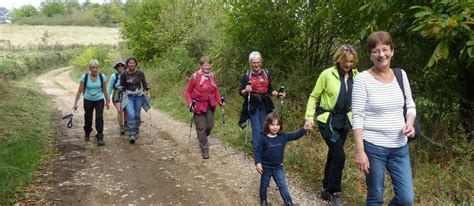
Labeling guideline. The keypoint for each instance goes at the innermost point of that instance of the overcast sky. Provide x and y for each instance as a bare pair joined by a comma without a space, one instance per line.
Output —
9,4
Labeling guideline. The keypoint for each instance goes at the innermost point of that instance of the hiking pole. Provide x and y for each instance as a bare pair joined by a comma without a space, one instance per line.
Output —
222,109
248,120
280,93
193,104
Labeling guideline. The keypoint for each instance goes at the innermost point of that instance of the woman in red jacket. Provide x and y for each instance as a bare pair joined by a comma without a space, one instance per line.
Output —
202,89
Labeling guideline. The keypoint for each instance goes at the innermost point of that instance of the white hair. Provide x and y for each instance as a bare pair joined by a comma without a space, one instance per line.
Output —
255,54
93,63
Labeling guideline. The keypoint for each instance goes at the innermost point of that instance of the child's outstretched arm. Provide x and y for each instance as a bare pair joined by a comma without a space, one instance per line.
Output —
296,135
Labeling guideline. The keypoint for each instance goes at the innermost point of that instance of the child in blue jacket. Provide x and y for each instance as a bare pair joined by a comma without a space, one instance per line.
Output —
269,152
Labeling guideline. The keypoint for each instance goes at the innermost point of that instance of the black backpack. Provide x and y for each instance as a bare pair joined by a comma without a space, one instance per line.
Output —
101,79
117,77
416,124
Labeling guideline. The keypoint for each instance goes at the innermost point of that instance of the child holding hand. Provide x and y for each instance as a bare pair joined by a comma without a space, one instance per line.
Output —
269,152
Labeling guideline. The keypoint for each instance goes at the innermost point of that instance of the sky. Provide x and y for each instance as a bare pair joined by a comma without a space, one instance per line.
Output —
9,4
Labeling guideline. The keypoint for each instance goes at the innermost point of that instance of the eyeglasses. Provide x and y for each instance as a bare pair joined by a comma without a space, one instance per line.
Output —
120,65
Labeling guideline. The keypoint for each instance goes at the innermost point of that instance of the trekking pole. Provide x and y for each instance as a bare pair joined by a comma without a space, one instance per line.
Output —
248,120
222,109
280,93
193,104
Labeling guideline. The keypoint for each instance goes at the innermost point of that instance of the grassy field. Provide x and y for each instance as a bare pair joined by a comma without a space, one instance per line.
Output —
25,36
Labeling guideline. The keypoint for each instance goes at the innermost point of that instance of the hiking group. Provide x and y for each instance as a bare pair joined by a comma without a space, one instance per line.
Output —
376,103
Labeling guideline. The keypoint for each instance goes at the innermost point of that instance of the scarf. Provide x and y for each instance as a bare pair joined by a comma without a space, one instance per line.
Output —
205,76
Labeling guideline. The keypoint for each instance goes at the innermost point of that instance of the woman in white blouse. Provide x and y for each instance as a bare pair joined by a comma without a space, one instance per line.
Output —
379,126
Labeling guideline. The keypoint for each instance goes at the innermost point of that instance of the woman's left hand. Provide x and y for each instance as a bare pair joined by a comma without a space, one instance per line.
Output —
222,104
409,130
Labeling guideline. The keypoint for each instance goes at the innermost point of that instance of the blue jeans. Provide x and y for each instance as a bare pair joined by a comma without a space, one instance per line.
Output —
133,108
258,121
397,162
278,175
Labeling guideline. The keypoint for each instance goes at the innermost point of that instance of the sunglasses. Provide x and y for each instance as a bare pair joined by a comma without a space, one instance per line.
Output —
348,47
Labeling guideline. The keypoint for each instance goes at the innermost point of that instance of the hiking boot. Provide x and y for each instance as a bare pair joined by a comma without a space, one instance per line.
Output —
87,137
205,154
132,139
264,203
325,195
100,139
336,199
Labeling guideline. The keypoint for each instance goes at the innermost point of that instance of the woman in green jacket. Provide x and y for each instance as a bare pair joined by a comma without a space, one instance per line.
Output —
331,99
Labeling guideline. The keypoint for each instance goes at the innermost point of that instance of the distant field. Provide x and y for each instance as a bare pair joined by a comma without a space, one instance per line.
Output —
26,36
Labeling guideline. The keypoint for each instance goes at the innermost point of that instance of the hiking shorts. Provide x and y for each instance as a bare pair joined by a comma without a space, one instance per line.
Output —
116,96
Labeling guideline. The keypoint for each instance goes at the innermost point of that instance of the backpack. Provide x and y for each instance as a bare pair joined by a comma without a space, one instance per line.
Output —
416,124
101,79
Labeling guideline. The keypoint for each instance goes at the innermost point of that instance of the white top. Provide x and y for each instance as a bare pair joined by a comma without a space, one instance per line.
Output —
377,109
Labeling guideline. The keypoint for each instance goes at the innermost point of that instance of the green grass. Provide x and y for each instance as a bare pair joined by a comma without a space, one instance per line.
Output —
25,132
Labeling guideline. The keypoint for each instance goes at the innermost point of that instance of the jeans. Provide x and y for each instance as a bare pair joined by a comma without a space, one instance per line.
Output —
133,108
258,121
397,163
278,174
335,159
89,107
204,124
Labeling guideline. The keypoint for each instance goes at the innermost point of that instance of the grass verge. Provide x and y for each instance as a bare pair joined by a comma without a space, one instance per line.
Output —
24,138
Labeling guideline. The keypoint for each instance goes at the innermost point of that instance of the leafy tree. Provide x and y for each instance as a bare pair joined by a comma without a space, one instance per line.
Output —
24,11
50,9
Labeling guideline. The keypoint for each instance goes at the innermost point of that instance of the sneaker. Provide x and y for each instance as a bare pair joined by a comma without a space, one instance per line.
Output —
325,194
336,199
205,154
87,137
264,203
132,139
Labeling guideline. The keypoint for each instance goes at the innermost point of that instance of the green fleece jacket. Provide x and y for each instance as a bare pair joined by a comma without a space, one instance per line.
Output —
326,91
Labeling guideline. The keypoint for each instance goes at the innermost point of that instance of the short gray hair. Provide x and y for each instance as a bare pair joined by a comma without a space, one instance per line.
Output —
255,54
93,63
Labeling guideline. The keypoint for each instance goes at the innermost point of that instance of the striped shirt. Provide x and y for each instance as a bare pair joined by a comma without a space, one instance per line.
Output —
377,109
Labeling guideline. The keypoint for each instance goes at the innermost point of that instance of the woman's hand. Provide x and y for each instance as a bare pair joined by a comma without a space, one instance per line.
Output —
409,130
308,125
362,162
192,107
222,104
107,103
74,107
259,168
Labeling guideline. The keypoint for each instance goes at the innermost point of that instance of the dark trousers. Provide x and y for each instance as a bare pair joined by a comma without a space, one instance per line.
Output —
336,157
89,107
204,124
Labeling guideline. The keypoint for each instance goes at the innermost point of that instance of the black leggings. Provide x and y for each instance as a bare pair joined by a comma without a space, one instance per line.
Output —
335,159
89,107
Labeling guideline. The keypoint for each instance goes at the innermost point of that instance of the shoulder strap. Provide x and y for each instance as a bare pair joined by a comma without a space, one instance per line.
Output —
117,76
86,77
194,75
399,76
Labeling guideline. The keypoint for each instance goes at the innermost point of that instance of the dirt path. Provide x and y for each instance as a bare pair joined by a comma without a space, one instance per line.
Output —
156,170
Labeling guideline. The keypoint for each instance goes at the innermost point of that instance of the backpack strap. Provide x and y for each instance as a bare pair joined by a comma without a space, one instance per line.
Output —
117,76
86,77
399,76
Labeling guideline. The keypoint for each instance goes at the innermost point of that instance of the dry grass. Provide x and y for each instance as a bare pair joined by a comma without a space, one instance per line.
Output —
26,36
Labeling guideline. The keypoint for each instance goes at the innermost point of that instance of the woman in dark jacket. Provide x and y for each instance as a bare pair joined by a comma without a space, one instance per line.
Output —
256,86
